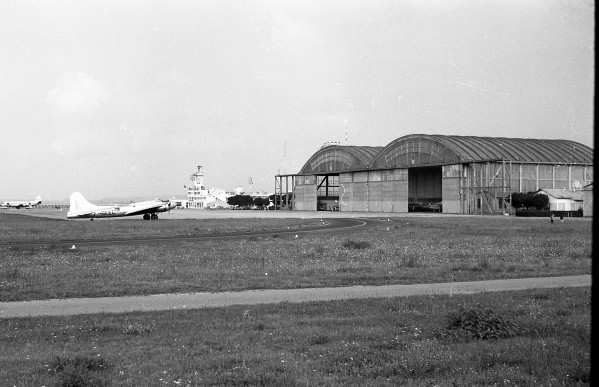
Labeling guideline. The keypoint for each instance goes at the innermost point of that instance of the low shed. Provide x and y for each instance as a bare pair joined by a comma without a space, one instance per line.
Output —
563,199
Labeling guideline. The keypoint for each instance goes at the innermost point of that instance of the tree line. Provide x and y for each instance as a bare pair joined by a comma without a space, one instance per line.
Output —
246,201
530,200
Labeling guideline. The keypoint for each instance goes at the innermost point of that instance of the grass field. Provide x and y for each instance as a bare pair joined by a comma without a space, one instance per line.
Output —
526,338
393,251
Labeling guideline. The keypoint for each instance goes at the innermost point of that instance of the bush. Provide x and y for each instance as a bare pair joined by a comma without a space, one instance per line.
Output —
533,213
480,324
530,199
240,200
356,245
80,370
546,214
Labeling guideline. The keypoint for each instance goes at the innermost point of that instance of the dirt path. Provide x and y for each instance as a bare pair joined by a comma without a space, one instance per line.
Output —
210,300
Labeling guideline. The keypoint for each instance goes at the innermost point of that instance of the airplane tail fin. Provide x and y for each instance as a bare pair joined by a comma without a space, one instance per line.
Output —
79,203
38,199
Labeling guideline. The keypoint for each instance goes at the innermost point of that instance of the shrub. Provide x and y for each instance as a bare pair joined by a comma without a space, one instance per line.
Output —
356,245
547,213
480,324
80,370
410,260
529,199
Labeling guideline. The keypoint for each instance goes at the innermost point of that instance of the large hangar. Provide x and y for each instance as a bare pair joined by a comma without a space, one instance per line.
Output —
452,174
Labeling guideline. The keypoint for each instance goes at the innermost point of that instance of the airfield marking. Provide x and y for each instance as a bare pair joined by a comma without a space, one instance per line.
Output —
76,306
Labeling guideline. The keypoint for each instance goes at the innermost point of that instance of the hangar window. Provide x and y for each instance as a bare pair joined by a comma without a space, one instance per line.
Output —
327,192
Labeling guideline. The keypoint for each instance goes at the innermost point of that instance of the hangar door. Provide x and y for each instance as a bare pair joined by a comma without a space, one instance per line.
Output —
424,189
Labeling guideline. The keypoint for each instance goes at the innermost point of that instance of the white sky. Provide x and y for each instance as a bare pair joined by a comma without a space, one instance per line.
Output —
125,98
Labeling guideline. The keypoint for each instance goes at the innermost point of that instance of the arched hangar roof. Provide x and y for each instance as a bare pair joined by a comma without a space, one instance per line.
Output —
341,158
422,150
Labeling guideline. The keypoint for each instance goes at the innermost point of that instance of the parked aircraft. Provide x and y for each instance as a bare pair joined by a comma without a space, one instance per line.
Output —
23,204
81,208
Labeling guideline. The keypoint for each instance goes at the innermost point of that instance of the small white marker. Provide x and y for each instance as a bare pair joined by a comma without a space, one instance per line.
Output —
73,247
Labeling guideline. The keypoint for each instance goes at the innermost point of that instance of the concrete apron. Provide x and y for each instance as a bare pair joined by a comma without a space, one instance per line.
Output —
76,306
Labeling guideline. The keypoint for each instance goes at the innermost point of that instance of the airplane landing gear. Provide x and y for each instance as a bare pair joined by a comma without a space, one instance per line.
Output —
154,217
146,216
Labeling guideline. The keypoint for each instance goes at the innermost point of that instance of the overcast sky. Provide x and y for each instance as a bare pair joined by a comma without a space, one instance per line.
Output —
126,98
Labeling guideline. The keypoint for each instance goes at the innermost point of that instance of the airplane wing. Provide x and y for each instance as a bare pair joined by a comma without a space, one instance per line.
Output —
144,208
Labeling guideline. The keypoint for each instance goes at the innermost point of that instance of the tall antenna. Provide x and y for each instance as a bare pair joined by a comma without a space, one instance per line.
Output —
285,158
198,177
345,132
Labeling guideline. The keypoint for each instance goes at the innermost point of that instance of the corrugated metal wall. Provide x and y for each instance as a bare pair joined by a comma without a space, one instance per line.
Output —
305,193
450,188
524,177
374,191
487,184
472,188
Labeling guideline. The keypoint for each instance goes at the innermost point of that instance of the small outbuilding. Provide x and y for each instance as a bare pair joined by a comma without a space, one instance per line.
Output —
564,199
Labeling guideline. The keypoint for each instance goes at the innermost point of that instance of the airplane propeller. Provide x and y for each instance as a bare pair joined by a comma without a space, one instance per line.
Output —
169,201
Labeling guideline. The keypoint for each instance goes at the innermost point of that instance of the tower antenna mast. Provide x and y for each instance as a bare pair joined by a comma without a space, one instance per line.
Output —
345,132
285,158
198,177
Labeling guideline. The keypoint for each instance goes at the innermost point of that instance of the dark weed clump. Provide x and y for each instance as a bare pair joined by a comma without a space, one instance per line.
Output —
479,324
80,370
349,244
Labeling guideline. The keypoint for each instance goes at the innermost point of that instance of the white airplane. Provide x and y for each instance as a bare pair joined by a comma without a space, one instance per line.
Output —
24,204
81,208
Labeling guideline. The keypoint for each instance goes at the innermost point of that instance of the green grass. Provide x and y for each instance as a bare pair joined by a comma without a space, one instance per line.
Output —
16,227
524,338
394,251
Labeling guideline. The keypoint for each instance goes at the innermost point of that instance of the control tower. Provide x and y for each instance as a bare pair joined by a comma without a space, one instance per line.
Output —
200,197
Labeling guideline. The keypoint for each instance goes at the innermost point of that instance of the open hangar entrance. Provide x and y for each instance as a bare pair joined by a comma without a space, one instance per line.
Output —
425,189
437,173
327,192
307,192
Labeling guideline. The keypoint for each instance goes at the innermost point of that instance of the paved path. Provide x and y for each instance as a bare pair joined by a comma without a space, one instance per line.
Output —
76,306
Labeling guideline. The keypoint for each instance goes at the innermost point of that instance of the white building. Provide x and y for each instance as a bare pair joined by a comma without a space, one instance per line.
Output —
563,199
200,197
238,190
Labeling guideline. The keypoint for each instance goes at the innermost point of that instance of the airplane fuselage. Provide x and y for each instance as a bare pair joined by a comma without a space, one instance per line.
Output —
148,209
101,213
23,204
